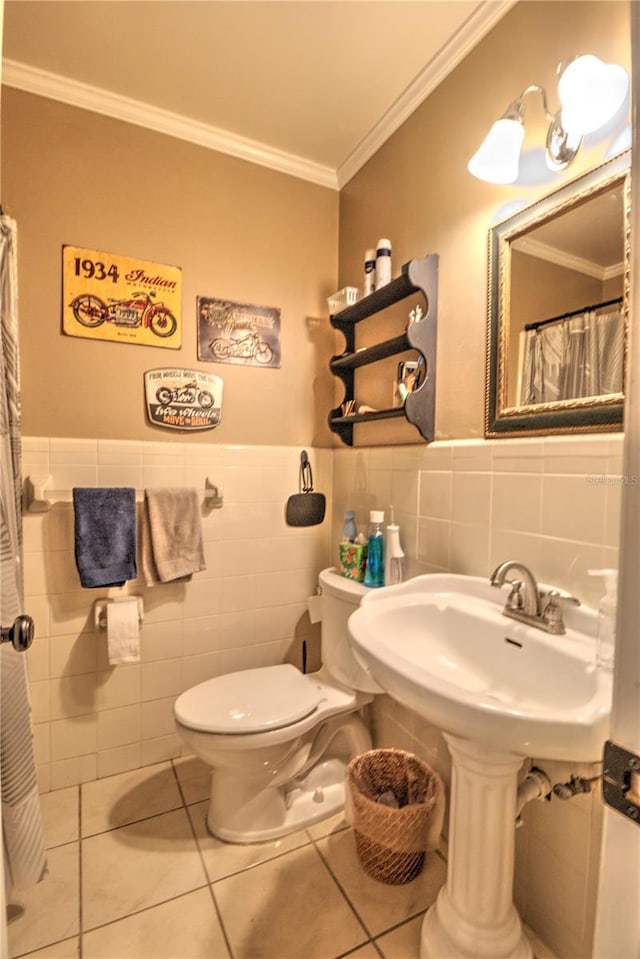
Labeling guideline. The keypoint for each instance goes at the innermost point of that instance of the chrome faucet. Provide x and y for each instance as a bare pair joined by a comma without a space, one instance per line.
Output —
527,603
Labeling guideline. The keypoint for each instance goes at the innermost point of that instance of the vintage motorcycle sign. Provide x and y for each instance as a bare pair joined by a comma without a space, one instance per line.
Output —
112,297
238,333
181,399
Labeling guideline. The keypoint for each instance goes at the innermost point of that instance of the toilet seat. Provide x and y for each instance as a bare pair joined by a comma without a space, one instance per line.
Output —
249,701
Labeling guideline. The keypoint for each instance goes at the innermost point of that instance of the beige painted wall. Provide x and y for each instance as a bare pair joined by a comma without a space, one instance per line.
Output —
252,235
416,189
237,230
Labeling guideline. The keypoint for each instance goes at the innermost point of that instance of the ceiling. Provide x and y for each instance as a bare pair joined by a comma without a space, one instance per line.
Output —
310,87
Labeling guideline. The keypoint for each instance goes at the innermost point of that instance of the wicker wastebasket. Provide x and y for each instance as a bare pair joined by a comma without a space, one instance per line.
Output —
393,797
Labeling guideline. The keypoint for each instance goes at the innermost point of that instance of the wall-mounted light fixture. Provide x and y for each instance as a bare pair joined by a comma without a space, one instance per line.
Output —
590,93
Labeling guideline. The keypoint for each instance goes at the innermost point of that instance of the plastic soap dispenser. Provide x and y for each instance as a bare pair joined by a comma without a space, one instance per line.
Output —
374,573
393,555
606,641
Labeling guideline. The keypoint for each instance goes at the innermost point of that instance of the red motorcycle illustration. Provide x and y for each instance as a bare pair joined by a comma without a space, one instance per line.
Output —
248,348
139,310
186,395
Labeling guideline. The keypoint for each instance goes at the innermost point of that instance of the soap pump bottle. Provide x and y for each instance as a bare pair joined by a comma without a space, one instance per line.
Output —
374,572
606,641
393,555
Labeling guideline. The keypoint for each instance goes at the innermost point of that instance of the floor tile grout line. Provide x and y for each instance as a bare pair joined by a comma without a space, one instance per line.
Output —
342,890
392,928
209,882
261,862
220,920
143,909
80,897
205,884
178,783
403,922
50,945
133,822
352,952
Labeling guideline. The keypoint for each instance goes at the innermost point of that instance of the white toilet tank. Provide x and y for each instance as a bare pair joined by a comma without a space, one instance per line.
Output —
340,598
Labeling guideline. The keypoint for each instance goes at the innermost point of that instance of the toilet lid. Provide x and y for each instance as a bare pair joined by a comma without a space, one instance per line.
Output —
249,701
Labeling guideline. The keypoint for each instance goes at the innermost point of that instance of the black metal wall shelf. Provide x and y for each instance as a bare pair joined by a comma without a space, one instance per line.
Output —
418,276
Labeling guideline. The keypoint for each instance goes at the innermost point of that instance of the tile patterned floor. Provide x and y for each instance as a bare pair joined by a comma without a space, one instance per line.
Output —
134,874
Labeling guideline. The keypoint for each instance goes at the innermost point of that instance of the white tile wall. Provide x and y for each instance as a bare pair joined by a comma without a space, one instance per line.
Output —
553,504
248,608
467,505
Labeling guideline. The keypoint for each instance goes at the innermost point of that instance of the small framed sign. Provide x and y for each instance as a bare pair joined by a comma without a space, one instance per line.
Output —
180,399
106,296
238,333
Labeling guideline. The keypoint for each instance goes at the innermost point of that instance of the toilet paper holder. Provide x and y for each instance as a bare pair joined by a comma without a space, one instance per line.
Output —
100,611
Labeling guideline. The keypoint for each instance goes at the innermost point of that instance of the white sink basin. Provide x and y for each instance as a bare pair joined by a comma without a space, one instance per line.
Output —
440,645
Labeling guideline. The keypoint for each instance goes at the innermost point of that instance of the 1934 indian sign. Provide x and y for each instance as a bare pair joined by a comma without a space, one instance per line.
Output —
119,298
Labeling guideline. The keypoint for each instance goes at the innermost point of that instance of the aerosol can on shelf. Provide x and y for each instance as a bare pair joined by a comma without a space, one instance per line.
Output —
369,284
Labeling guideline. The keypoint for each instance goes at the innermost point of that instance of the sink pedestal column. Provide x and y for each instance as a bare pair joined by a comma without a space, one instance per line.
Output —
474,916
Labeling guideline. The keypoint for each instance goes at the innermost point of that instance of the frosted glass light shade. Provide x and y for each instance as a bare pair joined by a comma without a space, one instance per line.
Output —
590,92
497,159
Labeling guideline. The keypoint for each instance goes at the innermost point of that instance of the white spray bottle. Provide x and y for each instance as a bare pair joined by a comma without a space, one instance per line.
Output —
606,641
393,554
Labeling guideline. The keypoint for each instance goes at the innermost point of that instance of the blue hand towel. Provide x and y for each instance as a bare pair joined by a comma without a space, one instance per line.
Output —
105,535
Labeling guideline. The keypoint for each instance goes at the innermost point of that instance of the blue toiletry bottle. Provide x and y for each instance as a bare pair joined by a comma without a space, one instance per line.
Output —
349,531
374,573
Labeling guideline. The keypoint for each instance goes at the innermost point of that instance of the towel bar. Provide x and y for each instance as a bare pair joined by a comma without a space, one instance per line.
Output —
39,498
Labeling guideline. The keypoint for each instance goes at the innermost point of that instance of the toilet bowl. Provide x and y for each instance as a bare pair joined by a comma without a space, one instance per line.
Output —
277,740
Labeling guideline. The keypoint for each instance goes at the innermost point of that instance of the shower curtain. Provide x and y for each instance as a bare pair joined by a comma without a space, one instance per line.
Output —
576,357
23,841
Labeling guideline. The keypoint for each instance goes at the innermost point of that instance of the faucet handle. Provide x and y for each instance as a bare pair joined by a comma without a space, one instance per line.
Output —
555,594
552,609
515,599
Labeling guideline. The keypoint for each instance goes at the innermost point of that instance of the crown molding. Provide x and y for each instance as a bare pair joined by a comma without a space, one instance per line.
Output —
543,251
54,86
30,79
481,21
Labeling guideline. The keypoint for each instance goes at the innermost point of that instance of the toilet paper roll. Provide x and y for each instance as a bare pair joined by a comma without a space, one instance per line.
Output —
314,605
123,631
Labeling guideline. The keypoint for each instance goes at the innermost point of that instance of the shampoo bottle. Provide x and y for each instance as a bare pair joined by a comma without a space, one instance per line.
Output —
606,640
393,555
374,572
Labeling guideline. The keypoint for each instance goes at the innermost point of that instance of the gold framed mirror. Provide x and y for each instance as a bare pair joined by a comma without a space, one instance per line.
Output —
557,309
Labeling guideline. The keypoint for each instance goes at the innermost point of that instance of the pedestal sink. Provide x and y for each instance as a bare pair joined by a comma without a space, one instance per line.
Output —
500,691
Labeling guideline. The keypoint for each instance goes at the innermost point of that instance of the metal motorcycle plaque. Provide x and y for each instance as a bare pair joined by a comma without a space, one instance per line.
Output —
238,333
180,399
119,298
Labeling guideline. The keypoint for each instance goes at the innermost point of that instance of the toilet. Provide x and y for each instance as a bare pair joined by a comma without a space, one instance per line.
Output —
278,740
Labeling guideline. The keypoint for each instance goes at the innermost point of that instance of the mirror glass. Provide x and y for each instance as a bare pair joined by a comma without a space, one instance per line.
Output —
558,285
